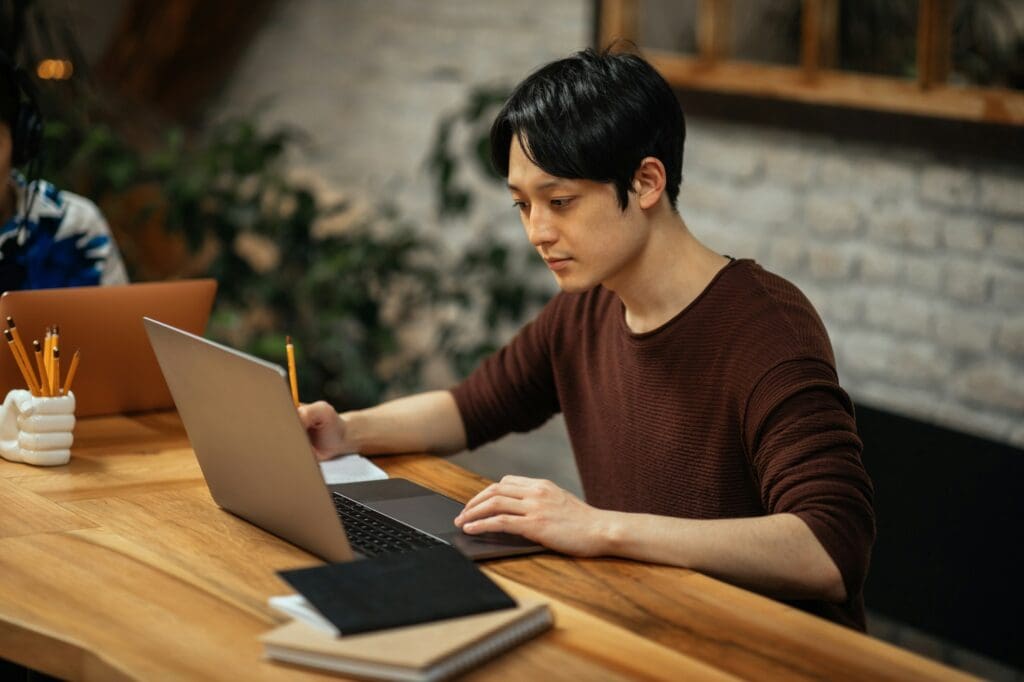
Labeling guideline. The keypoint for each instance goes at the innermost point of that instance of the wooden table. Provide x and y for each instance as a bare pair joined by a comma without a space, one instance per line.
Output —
119,565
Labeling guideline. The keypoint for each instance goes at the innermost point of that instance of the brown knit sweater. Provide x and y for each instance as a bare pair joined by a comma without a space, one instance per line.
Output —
730,409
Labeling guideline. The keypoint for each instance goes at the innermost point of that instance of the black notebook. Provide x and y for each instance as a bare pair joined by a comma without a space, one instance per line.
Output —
392,590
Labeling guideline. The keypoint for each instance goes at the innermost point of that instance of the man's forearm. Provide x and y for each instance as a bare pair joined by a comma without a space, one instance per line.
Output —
776,555
426,422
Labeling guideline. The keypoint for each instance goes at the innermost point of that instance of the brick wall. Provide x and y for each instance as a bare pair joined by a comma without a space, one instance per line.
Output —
916,264
368,79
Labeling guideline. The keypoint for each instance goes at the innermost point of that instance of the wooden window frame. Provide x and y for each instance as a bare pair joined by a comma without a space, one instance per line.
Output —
815,80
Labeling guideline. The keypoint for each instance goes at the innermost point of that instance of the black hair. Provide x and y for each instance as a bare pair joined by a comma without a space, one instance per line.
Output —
594,116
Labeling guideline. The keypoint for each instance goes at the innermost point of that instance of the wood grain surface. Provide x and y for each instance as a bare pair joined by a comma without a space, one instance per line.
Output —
119,565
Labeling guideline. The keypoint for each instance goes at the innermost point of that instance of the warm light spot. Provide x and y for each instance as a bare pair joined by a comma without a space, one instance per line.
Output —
55,69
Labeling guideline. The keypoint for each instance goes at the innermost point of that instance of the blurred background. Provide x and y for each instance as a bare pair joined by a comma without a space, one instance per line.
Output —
326,162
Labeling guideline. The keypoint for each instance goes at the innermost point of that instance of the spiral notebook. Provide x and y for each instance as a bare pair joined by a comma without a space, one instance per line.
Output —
430,651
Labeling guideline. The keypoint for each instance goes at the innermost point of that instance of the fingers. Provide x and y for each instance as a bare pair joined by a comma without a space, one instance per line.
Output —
46,423
502,523
507,506
60,440
493,506
502,488
315,414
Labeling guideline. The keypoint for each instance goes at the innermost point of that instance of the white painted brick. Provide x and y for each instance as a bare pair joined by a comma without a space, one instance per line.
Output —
786,255
880,265
908,363
791,166
966,330
764,204
816,294
979,421
918,362
830,262
832,216
1010,336
1008,241
728,238
965,234
924,273
967,281
1003,193
864,353
836,170
1008,288
901,313
843,305
949,186
884,177
992,383
706,196
1017,436
904,227
912,402
723,157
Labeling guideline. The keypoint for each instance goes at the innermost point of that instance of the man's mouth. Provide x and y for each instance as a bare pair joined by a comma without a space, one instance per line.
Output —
557,264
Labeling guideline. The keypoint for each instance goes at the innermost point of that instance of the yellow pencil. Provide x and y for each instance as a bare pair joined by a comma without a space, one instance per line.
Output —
71,373
290,349
26,373
18,346
44,376
55,374
47,346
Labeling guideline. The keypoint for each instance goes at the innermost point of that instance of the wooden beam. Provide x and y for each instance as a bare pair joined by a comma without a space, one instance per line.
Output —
819,45
934,42
714,30
837,88
619,21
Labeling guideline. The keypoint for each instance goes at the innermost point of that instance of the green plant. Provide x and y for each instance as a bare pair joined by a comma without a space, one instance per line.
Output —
508,273
349,284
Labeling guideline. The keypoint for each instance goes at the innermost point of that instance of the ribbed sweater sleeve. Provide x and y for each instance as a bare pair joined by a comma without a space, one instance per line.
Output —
513,389
801,439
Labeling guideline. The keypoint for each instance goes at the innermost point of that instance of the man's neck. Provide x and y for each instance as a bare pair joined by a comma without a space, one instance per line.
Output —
672,271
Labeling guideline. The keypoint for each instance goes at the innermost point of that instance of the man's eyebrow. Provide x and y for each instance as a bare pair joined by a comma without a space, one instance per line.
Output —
542,186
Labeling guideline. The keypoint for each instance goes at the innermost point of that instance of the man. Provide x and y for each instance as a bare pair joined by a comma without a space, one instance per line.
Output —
48,238
699,391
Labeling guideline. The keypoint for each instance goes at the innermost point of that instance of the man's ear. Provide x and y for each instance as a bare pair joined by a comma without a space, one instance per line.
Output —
649,181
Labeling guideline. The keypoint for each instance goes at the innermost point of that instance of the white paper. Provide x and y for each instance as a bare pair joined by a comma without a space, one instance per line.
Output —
296,606
350,469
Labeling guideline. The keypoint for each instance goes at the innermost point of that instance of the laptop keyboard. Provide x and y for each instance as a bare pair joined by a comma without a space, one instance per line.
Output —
371,533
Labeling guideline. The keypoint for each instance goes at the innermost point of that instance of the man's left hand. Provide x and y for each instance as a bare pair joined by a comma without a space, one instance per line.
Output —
540,511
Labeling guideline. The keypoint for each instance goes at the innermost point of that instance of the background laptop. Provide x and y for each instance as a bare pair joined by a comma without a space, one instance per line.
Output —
258,463
118,372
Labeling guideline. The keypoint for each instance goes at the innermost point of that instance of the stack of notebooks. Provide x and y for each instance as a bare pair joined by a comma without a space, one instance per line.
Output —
426,615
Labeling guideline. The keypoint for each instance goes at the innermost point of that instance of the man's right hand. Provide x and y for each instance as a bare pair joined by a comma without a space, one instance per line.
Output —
326,430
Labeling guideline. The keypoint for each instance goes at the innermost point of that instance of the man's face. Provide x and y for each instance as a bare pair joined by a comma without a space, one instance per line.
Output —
577,226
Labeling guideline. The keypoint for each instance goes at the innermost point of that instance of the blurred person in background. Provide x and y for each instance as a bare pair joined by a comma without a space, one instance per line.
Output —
49,237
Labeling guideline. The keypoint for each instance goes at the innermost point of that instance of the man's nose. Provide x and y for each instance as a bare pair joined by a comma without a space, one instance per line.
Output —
539,229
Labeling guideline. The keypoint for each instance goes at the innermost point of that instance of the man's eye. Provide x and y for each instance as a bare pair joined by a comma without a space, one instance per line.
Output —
561,203
521,205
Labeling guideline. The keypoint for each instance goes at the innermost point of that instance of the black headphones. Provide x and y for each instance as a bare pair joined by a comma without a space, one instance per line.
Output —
27,123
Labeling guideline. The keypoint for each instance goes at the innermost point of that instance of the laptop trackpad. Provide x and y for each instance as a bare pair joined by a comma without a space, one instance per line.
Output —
432,514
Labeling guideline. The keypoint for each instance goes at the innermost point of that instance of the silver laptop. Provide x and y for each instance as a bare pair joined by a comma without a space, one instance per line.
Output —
258,463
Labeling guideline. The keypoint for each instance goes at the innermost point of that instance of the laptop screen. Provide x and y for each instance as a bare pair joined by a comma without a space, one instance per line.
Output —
118,372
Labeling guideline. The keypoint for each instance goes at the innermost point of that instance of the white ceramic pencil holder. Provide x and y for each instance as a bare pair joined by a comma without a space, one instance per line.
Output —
37,430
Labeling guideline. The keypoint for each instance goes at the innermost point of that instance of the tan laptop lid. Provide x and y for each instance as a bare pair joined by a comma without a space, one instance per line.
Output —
118,372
